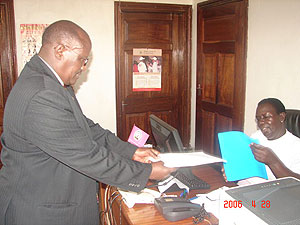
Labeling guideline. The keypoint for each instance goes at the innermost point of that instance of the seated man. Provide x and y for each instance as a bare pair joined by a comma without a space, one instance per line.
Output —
278,149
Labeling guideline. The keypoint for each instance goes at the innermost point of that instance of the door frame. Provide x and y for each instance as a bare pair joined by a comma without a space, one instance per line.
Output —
11,47
8,72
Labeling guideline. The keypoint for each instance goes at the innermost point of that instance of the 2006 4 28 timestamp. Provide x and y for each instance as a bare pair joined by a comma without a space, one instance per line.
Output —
239,204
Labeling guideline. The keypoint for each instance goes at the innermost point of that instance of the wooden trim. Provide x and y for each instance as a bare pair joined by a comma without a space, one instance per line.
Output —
186,114
216,2
117,62
8,51
148,7
242,66
11,23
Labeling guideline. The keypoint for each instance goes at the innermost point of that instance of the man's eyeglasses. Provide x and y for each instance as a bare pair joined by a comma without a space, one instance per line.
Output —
85,60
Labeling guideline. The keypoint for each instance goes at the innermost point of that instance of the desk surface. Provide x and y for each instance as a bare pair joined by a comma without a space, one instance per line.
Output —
147,214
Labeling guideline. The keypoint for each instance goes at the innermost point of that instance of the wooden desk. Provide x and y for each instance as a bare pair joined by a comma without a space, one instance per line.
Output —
147,214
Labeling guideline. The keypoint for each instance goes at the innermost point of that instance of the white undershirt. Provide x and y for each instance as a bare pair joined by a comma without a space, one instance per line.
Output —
287,148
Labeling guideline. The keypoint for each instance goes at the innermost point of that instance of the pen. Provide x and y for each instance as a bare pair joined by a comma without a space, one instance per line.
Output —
183,194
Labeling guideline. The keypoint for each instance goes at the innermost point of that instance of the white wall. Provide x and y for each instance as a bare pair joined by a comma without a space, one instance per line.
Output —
272,63
96,93
273,68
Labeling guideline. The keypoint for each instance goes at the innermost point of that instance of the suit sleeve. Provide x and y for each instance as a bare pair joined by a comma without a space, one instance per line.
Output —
55,126
110,140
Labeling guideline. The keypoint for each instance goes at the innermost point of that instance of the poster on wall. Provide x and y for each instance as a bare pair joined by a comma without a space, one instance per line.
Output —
147,65
31,40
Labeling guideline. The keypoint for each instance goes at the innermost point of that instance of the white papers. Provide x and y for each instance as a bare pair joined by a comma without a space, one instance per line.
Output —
211,200
146,196
167,183
185,159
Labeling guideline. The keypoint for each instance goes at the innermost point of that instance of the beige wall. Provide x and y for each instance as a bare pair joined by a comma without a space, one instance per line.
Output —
273,52
273,68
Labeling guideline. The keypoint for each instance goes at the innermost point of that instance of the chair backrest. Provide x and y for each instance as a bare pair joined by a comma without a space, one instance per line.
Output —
292,121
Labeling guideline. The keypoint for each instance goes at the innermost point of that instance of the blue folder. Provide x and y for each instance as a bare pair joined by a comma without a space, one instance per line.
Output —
240,162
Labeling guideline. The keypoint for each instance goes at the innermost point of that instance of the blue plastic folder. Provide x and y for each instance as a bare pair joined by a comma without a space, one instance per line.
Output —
241,164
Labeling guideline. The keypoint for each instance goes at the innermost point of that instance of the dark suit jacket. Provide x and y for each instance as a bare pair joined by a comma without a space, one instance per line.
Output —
53,155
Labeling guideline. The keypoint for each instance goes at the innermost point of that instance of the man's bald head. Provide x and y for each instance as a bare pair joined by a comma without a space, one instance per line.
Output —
66,48
65,32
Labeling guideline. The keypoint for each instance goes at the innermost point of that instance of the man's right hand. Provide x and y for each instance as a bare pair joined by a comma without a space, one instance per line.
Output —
223,173
159,171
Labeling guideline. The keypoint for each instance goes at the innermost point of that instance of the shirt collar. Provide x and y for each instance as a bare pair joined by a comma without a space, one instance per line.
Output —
57,76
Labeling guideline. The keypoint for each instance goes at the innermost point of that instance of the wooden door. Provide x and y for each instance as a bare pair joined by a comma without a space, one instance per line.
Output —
8,62
153,26
221,64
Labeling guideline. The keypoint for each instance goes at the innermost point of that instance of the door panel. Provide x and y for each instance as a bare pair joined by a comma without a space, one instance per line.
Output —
209,81
153,26
221,57
225,85
219,28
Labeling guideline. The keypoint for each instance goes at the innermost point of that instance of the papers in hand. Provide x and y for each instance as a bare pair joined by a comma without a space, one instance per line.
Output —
185,159
241,164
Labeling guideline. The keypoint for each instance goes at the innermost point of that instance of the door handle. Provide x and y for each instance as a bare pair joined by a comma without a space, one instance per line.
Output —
199,89
123,105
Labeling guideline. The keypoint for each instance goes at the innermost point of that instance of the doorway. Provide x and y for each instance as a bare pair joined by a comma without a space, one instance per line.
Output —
165,27
221,70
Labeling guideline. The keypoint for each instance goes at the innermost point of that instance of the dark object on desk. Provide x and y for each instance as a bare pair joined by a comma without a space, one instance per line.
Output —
175,208
202,215
292,121
166,137
168,140
186,176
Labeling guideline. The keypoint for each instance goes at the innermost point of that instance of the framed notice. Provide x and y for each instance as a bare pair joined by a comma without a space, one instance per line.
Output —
147,65
31,38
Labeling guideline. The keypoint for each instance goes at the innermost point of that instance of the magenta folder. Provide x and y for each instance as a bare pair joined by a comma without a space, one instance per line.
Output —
138,137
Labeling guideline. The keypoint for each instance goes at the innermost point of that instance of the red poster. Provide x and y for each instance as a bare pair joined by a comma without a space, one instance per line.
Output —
147,66
31,37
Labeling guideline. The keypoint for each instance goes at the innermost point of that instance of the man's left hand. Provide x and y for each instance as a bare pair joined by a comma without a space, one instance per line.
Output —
264,154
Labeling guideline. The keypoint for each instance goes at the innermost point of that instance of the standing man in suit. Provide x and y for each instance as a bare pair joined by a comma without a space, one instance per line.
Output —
52,154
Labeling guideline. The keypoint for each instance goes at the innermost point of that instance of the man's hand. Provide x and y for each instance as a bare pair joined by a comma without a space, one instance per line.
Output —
264,154
267,156
159,171
145,154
